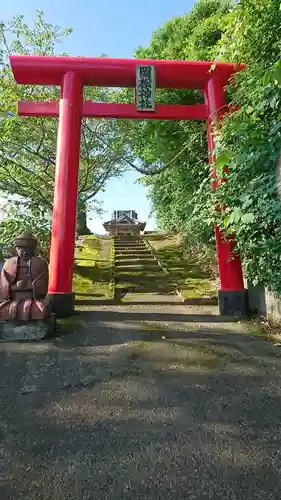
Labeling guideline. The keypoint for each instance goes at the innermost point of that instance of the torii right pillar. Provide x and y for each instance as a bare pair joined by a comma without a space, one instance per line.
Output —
233,297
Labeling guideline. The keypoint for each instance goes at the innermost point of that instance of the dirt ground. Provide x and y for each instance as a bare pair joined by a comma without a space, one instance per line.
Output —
142,402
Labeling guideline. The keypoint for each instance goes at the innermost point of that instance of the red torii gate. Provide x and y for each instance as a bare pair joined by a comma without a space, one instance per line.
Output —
72,74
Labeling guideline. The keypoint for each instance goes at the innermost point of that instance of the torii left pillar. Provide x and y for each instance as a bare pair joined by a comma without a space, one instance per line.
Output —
65,196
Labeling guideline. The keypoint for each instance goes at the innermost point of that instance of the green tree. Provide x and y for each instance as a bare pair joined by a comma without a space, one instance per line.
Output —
250,141
28,146
249,144
180,194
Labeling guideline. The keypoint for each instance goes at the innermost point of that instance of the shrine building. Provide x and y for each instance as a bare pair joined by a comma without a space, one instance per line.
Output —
124,222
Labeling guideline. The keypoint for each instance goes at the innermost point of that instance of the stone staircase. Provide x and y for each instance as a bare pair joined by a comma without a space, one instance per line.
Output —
138,276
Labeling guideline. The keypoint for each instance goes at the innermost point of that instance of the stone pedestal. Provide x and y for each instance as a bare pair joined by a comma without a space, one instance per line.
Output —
234,304
13,331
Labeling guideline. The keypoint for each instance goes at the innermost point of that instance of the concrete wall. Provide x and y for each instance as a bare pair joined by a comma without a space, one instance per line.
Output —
265,303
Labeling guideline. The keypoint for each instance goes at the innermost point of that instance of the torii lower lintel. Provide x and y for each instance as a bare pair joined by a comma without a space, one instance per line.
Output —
123,111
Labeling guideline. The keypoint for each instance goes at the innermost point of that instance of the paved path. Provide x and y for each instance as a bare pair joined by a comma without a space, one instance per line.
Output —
166,402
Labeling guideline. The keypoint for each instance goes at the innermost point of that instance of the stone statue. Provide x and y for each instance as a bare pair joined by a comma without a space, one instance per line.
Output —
24,283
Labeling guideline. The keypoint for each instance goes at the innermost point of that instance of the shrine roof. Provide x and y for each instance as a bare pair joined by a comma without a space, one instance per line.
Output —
124,219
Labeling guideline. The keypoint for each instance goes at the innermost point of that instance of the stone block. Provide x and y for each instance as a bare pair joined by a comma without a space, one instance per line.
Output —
12,331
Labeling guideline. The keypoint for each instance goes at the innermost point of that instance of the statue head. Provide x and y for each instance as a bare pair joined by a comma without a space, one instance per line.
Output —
25,245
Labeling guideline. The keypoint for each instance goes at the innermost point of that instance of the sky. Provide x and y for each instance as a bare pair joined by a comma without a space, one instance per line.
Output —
114,28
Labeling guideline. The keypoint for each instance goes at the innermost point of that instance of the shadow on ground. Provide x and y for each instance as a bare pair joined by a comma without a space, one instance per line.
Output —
141,405
156,315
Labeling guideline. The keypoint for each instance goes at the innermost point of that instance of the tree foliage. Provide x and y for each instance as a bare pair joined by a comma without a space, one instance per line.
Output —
249,143
28,146
179,194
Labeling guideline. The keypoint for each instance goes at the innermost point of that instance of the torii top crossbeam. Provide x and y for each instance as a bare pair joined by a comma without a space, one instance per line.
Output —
107,72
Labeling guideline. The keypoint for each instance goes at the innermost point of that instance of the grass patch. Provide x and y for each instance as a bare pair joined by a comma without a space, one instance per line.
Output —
89,253
92,279
69,325
191,279
263,330
147,326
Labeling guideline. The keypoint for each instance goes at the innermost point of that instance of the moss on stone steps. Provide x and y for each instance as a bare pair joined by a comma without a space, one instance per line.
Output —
92,279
